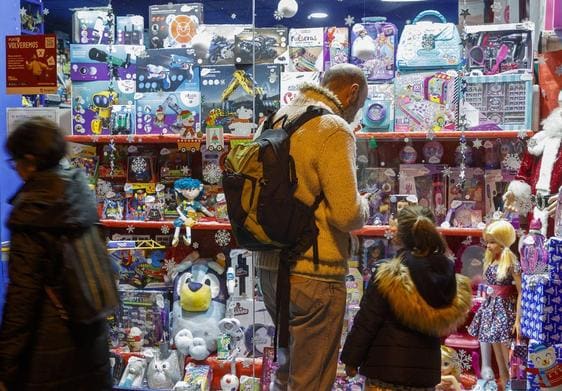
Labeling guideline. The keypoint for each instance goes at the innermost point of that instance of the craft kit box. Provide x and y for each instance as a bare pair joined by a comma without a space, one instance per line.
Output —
168,113
227,94
541,309
426,101
94,105
378,110
306,50
130,30
265,45
498,102
93,25
291,81
336,46
173,25
103,62
167,70
373,49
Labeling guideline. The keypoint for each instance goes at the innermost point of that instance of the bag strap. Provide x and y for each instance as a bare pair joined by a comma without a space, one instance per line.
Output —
426,13
310,113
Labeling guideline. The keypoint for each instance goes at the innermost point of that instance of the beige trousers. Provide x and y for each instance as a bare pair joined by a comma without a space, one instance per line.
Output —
316,319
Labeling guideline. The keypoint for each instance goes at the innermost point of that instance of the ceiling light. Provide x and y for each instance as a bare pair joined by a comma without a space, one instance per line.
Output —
318,15
401,1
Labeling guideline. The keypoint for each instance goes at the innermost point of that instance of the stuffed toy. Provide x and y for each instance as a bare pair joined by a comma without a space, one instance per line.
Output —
199,305
540,176
163,372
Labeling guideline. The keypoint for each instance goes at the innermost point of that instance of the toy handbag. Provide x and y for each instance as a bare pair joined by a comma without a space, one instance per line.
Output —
428,45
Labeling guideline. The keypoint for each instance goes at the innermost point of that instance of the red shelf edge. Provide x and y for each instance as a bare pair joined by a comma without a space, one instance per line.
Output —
441,135
368,230
148,139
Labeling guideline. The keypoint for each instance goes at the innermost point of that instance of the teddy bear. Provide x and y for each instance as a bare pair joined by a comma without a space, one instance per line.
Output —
243,125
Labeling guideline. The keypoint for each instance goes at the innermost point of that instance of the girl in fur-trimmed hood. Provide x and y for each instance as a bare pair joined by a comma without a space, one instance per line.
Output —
413,300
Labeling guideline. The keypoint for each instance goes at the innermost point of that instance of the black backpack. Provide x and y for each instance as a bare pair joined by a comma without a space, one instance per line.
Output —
259,184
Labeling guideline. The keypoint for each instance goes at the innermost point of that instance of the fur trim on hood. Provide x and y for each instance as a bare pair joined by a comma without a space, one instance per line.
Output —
323,95
550,134
396,285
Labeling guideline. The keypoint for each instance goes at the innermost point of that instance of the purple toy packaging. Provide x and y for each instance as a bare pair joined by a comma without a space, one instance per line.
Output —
336,46
93,25
373,49
130,30
102,62
167,70
169,113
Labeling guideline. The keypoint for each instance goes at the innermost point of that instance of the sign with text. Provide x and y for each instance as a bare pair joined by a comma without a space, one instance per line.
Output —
31,64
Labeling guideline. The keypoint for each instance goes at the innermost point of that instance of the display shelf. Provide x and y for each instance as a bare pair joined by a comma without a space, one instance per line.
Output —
141,139
201,225
452,135
380,230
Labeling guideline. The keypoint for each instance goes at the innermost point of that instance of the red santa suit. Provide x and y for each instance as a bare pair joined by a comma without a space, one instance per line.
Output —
540,174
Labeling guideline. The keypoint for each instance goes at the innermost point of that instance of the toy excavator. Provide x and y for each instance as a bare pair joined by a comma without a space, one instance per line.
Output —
241,79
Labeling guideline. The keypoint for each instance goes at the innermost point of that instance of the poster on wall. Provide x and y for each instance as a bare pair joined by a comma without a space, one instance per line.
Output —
31,64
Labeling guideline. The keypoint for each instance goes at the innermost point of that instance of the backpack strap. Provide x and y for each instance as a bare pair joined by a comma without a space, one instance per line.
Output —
310,113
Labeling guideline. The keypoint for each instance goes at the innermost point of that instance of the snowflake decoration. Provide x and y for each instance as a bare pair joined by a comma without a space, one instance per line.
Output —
483,242
277,15
247,363
130,229
222,238
447,172
185,170
169,264
512,161
23,11
452,257
522,134
462,174
212,173
233,16
195,245
477,143
165,229
46,11
464,360
103,187
139,165
349,20
388,234
467,241
558,70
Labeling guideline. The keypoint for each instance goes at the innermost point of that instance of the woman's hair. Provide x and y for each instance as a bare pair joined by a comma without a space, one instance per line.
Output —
417,231
502,233
451,355
38,137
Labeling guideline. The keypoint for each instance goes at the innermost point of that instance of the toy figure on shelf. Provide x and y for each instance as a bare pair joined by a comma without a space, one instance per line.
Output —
188,193
498,319
540,175
450,371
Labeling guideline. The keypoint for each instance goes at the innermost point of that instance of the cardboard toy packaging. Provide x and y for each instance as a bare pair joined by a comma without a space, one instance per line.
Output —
496,182
306,50
373,49
291,81
554,247
102,62
265,45
169,113
378,110
93,25
544,366
541,307
336,46
173,25
228,100
215,44
167,70
130,30
243,265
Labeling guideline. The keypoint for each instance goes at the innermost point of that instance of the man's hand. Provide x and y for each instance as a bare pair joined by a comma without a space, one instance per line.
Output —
552,205
349,371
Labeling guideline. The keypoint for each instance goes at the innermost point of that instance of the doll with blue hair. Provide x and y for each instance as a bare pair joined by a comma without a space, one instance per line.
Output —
188,195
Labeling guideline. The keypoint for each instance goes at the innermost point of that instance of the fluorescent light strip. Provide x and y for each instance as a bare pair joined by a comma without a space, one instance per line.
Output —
318,15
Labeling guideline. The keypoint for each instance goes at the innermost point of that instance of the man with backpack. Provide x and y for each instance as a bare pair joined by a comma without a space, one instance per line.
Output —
323,150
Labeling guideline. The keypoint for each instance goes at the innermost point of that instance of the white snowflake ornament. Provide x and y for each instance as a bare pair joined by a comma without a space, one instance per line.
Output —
522,134
195,245
46,11
512,161
212,173
467,241
222,238
169,264
388,234
447,172
349,20
130,229
185,170
139,165
165,229
477,143
23,11
464,360
277,15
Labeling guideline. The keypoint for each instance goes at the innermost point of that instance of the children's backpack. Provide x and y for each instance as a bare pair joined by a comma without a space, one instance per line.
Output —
259,184
428,45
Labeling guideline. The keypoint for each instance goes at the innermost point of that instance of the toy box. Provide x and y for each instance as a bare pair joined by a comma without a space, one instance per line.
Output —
173,25
93,26
243,265
169,113
471,190
498,102
214,44
167,70
336,46
172,165
145,309
463,214
426,101
544,366
373,249
497,48
378,110
269,44
427,183
496,182
85,157
541,309
130,30
93,105
373,48
102,62
291,81
306,50
227,96
258,335
380,182
113,162
555,258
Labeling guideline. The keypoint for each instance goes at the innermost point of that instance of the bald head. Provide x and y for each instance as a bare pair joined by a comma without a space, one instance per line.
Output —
348,83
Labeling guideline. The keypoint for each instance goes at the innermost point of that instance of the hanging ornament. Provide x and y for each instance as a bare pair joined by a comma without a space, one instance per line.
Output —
349,20
288,8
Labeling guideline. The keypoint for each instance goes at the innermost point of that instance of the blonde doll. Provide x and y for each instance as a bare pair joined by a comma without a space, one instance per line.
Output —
497,320
450,371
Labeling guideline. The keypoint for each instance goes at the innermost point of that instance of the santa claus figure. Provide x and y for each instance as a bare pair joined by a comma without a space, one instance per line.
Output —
539,179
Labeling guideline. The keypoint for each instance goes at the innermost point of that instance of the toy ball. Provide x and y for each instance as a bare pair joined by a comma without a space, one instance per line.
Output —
288,8
229,382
